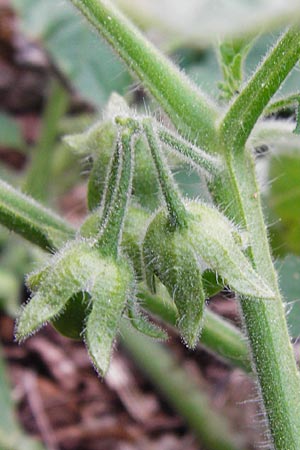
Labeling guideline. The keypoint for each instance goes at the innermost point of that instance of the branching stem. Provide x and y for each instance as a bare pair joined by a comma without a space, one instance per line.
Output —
188,109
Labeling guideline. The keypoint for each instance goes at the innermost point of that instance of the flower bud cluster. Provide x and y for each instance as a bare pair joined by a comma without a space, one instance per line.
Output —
89,285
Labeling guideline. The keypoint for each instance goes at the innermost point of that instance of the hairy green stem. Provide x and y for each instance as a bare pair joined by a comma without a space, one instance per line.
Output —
111,183
111,233
177,211
282,104
190,153
249,105
217,334
272,352
188,109
160,366
23,215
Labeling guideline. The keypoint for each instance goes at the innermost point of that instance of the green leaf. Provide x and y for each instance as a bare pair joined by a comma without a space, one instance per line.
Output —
73,47
289,277
232,54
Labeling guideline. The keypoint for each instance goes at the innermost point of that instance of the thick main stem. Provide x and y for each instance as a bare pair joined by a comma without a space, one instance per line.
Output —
265,322
272,353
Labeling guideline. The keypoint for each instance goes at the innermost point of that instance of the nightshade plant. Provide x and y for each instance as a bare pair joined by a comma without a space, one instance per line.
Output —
97,275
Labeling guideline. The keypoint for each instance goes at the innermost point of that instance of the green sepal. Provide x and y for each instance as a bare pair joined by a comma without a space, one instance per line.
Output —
145,183
67,273
134,227
99,136
90,226
179,258
142,324
117,195
36,278
83,294
110,294
168,255
99,142
214,239
170,192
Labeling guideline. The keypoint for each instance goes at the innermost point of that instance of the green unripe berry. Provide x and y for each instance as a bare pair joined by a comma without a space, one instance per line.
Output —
72,321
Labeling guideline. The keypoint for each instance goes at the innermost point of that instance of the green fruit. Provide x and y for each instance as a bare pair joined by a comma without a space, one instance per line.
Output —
72,321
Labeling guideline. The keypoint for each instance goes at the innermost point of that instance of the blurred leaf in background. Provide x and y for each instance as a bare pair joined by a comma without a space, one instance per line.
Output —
198,22
10,132
284,201
289,273
191,30
72,45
